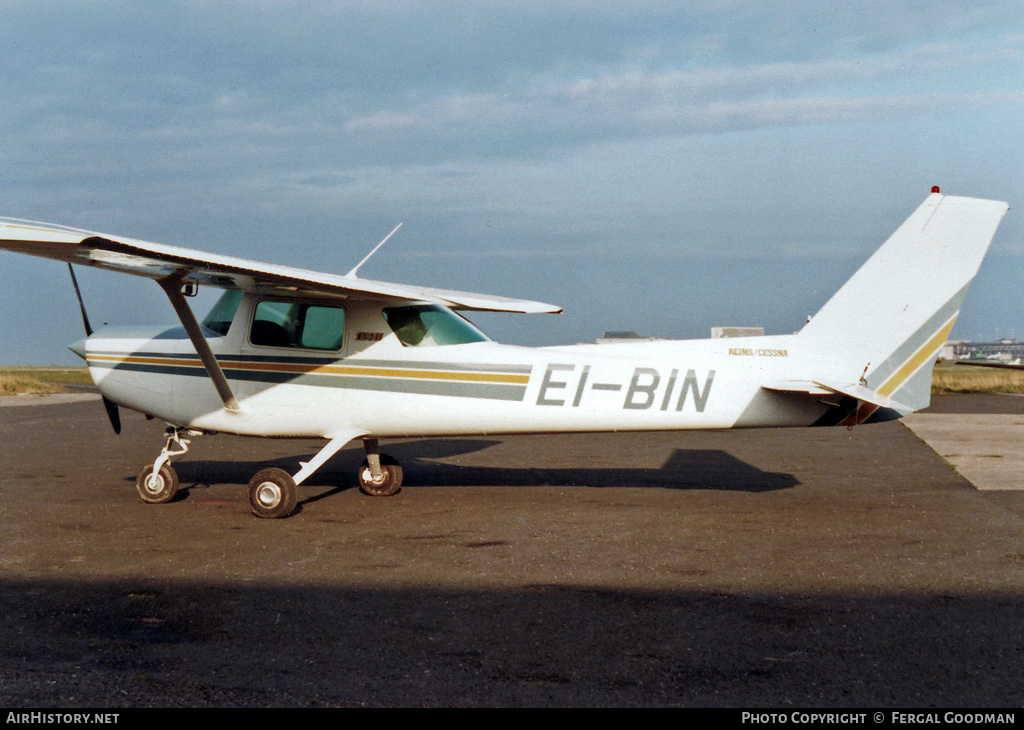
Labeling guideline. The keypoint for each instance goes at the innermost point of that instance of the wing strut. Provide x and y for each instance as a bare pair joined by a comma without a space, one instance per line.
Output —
172,286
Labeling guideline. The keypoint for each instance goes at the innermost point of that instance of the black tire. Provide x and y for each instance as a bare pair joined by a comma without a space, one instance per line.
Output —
164,487
391,472
272,493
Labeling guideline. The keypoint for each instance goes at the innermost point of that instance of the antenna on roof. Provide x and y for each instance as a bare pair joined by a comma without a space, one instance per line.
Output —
366,258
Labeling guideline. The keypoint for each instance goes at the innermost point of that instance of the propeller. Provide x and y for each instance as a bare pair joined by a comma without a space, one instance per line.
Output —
112,412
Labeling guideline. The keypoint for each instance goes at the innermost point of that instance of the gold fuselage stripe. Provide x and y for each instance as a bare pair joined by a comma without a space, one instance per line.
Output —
301,368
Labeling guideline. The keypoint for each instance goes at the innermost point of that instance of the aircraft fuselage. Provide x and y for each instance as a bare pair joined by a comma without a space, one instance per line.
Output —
375,383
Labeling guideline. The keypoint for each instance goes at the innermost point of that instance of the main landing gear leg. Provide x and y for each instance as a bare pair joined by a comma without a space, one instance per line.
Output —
380,475
158,482
273,493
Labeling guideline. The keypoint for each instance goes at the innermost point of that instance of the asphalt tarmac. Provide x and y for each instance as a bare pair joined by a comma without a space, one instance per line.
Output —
764,568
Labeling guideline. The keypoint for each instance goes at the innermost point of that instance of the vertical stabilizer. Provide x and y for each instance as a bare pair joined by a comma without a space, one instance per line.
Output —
884,327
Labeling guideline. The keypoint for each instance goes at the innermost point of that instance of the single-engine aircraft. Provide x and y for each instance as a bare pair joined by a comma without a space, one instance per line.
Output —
1010,365
292,353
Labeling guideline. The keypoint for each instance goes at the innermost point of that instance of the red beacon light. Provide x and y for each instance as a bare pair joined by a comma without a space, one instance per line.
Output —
935,188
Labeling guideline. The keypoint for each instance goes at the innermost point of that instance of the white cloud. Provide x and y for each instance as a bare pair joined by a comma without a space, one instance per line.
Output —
701,100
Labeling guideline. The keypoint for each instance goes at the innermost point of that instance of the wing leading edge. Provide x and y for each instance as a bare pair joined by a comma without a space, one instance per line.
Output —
161,262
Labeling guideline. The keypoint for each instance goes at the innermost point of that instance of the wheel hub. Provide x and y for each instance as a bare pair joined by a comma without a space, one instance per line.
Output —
268,494
154,484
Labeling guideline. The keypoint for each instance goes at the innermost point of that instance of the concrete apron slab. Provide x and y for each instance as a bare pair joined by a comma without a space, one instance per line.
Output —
986,449
46,399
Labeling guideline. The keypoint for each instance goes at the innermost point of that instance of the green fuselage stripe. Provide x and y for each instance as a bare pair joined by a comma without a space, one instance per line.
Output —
469,381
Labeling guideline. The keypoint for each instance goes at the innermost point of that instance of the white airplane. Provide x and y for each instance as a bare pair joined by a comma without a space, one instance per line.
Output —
1014,364
293,353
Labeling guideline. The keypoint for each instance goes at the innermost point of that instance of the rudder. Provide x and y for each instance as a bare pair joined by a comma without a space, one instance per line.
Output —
884,327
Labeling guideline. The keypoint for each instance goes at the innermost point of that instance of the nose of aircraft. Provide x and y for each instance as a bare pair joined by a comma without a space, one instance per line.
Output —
79,347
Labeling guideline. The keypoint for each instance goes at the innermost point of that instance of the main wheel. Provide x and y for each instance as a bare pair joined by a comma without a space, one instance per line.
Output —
157,488
390,481
272,493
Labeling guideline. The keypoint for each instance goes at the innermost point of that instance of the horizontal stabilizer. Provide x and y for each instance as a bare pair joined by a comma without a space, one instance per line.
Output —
852,390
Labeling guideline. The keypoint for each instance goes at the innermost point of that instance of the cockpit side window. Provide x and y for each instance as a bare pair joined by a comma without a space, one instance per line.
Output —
298,325
428,325
223,312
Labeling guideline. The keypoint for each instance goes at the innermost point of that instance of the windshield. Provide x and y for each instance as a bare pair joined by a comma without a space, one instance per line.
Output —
428,325
223,313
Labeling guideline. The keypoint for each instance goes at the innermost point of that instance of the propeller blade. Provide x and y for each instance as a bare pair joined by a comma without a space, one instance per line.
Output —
113,414
112,411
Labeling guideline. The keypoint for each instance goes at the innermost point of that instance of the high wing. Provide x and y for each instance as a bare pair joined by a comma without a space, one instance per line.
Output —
161,262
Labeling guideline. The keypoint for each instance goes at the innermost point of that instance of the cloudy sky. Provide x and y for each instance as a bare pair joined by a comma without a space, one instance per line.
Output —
663,167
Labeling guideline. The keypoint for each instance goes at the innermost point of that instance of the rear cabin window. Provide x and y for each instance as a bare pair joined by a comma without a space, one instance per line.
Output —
298,325
429,325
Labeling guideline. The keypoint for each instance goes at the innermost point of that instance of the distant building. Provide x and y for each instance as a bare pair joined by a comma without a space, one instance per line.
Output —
719,332
948,350
996,350
620,337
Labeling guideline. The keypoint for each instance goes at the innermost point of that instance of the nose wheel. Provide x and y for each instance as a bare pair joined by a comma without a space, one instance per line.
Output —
158,482
159,486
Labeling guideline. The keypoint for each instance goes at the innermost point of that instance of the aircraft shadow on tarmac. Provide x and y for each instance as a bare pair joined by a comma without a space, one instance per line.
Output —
708,469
